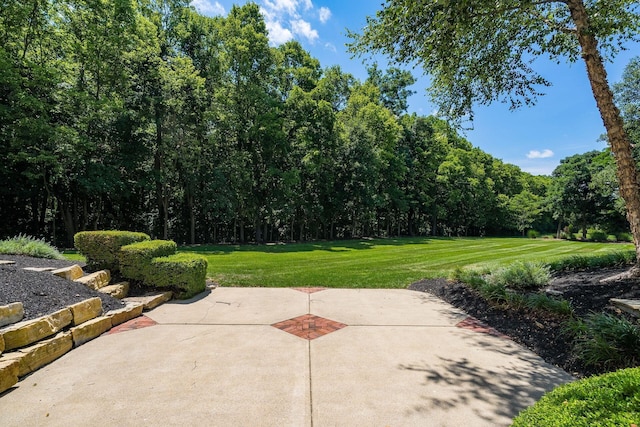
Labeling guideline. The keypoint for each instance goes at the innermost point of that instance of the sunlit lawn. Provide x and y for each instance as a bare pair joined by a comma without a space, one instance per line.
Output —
380,263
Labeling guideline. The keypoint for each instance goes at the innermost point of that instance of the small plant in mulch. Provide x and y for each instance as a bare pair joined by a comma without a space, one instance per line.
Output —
25,245
605,341
508,286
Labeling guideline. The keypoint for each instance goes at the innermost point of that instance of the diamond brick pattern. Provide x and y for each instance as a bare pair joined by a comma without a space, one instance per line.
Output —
309,290
473,324
137,323
309,326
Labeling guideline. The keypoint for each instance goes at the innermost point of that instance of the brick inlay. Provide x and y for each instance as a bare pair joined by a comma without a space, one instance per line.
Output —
309,326
137,323
473,324
309,290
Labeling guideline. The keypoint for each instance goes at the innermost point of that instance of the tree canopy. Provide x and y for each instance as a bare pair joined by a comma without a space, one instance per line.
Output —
151,117
482,51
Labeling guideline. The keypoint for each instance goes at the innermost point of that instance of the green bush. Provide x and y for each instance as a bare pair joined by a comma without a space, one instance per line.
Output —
598,236
184,273
135,259
473,278
533,234
606,341
29,246
624,237
101,248
522,275
607,400
594,261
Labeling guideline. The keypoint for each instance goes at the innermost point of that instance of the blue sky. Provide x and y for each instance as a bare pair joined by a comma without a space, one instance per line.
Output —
564,122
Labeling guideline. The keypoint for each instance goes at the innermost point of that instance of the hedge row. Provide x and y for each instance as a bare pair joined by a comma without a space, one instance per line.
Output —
101,248
154,263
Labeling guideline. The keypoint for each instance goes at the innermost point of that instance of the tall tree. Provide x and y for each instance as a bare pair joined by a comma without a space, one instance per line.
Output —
481,51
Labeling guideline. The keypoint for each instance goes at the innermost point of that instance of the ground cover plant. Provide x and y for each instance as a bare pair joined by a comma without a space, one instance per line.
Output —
29,246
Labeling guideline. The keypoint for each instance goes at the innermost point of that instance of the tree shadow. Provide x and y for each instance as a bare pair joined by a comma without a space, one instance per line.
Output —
326,246
494,392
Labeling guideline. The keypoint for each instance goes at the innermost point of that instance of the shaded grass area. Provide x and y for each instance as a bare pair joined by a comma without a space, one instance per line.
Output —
377,263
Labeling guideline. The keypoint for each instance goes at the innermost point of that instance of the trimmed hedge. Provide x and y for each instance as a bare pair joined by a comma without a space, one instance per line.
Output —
135,259
606,400
101,248
185,273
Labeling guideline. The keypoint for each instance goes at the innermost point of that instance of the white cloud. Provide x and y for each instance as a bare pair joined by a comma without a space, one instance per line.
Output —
278,34
288,6
208,7
324,14
284,19
303,28
331,47
535,154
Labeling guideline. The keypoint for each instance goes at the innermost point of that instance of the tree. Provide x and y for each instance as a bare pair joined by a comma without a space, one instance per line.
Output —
525,208
582,190
481,51
627,94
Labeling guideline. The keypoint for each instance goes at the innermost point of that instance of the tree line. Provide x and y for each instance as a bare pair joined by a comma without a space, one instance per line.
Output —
146,115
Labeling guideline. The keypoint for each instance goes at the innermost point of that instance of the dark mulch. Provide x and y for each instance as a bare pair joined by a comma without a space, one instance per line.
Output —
540,332
41,292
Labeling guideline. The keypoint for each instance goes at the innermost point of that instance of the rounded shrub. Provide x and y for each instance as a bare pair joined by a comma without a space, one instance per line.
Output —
607,400
101,248
533,234
135,259
184,273
624,237
598,236
522,275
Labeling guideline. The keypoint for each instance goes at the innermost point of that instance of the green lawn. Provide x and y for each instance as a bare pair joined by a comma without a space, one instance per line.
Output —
379,263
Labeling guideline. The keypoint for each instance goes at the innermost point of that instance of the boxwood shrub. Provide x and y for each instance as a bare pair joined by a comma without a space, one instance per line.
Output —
136,258
183,273
606,400
101,248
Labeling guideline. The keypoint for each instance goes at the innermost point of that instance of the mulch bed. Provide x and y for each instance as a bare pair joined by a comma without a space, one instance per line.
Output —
43,293
541,332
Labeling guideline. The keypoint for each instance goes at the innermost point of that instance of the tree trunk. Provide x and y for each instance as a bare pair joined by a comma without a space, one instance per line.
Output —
192,220
620,144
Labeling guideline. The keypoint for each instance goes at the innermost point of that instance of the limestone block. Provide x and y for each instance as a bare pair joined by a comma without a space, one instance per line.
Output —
151,301
39,269
1,344
630,306
11,313
90,330
70,273
86,310
119,290
27,332
36,356
9,369
130,311
96,280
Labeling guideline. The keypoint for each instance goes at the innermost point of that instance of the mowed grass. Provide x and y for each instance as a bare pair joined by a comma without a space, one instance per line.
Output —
377,263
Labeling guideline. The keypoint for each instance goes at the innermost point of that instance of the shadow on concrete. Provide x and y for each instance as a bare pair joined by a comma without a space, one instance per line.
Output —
508,388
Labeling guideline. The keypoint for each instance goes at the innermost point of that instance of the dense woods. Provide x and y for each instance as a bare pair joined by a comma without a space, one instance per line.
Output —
145,115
